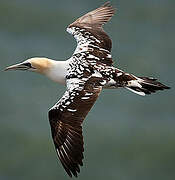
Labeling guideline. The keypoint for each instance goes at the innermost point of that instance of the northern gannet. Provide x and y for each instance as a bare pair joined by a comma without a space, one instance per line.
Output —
85,74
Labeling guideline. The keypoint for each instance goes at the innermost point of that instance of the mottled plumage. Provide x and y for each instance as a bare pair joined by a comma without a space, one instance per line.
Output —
85,74
90,68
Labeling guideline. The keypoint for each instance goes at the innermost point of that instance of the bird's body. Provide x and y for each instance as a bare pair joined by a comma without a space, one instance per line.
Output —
85,74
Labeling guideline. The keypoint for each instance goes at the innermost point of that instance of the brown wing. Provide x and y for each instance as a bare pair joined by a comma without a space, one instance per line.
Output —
96,18
90,36
66,118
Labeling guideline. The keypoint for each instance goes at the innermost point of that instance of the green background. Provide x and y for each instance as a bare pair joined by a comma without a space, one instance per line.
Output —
127,137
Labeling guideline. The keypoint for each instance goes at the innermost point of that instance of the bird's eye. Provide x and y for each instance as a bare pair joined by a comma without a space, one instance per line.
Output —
27,64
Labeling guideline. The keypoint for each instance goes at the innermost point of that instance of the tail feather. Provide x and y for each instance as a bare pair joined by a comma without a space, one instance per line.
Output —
145,85
138,85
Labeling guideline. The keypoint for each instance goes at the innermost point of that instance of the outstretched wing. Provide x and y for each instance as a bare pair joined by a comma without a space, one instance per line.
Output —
90,35
66,118
95,18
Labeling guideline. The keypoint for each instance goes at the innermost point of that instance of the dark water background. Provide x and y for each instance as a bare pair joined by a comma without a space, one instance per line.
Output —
127,137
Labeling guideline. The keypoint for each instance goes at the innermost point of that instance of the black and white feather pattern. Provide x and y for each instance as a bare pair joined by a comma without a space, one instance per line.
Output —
89,70
66,119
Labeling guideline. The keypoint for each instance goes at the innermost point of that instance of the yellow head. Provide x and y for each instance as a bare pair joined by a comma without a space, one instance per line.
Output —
37,64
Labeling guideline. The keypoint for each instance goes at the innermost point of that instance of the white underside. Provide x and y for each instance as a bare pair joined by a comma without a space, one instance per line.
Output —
58,72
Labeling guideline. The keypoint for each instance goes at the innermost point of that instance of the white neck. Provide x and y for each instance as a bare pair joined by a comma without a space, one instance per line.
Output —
57,71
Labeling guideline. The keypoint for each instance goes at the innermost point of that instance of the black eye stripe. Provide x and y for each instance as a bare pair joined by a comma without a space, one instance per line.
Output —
27,64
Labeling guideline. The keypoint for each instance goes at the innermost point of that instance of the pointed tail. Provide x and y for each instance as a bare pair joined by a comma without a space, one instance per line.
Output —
144,85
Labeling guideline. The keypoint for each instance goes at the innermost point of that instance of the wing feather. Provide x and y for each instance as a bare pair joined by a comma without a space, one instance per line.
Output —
96,18
90,36
66,125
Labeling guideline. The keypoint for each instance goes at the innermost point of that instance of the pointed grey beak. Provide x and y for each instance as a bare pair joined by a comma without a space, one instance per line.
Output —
21,66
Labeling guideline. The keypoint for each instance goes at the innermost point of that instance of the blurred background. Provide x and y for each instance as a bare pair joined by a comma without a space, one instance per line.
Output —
126,136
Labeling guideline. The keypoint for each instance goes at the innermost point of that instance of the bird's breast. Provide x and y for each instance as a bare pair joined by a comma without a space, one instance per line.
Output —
58,72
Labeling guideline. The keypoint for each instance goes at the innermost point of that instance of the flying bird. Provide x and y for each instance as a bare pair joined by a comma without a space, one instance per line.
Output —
85,74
